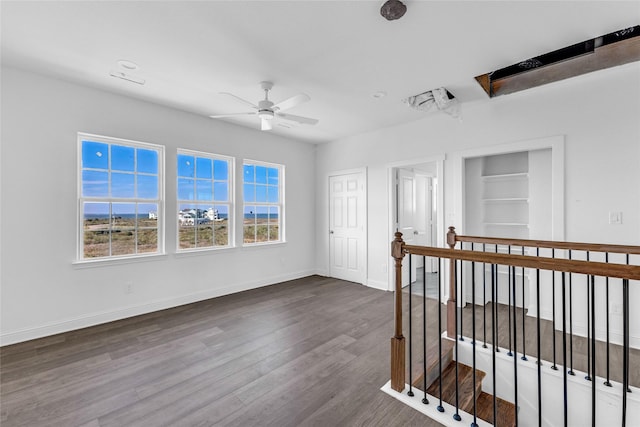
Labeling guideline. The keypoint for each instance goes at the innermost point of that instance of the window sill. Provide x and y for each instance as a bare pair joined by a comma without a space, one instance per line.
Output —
252,246
203,251
105,262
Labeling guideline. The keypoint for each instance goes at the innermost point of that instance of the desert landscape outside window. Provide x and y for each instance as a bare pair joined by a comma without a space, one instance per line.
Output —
120,197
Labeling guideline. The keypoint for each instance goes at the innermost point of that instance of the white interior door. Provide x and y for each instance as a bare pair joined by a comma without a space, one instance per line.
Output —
347,216
406,211
424,217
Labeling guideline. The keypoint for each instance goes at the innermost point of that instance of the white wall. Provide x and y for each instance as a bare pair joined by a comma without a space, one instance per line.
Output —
598,115
42,291
608,399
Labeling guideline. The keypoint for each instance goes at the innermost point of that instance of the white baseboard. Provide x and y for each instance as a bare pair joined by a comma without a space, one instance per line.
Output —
321,272
377,284
92,319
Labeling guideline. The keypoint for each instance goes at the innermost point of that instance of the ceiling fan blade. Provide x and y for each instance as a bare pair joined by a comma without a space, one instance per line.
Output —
220,116
244,101
266,124
291,102
298,119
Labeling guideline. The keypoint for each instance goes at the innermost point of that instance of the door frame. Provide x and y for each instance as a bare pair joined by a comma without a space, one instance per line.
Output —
440,226
365,244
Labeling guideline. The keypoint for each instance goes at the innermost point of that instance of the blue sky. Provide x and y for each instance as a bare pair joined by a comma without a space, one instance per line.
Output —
199,179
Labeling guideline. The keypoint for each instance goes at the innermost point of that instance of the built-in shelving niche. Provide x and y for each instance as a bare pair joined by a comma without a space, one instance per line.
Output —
505,196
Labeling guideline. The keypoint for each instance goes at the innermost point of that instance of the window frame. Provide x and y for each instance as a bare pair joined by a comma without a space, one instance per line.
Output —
81,199
280,203
230,201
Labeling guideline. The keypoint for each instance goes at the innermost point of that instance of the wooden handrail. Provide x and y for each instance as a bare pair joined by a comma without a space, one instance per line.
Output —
399,249
621,271
551,244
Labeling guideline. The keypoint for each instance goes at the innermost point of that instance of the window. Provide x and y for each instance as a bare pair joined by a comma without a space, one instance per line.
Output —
263,202
204,200
120,197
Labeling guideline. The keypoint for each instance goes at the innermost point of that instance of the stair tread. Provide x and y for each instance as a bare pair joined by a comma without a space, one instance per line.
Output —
465,386
432,362
505,410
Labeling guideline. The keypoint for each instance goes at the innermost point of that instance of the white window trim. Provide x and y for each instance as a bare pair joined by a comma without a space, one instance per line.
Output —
231,161
281,204
80,199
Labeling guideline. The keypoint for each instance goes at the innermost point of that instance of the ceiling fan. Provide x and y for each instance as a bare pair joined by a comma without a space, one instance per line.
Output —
267,111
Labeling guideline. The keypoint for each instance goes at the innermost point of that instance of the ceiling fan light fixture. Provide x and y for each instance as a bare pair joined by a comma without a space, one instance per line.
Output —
393,9
265,114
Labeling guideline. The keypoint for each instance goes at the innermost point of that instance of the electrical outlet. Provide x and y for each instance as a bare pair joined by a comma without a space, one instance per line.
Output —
615,217
616,308
128,287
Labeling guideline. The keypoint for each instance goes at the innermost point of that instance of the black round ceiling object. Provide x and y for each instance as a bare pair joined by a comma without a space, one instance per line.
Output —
393,9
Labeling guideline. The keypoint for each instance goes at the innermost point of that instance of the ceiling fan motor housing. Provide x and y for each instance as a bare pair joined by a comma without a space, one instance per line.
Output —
264,109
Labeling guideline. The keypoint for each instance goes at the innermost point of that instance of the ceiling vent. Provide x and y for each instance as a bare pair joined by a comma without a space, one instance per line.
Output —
610,50
439,99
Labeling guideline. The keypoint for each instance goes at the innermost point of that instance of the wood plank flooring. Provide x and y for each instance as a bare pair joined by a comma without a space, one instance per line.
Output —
309,352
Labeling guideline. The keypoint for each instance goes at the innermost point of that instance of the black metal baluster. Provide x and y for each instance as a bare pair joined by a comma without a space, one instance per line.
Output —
538,338
588,376
570,324
456,416
462,304
524,333
494,336
553,309
593,352
424,330
606,259
515,348
509,306
410,392
625,348
564,346
473,338
626,319
440,407
495,302
484,300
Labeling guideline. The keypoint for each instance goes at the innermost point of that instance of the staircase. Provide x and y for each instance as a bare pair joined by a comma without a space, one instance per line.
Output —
484,401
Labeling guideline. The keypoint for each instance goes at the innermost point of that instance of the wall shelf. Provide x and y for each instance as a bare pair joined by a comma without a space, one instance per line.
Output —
505,176
506,199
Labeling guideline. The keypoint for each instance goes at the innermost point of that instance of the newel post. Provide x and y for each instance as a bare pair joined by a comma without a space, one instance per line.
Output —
397,341
452,309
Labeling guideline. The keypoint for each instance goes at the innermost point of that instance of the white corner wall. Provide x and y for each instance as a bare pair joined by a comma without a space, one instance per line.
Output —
42,292
597,114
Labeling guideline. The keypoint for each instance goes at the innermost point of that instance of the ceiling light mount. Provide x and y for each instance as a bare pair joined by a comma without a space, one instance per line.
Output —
128,65
393,9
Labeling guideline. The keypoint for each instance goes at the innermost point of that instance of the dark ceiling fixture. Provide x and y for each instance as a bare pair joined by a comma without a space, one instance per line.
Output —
393,9
610,50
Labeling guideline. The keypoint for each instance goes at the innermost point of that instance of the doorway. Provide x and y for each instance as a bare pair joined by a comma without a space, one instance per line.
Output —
347,226
417,213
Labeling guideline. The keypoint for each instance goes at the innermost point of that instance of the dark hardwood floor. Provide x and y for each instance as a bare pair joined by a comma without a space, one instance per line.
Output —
526,339
309,352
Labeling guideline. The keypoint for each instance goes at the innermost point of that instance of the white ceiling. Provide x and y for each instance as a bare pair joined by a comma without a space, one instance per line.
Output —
338,52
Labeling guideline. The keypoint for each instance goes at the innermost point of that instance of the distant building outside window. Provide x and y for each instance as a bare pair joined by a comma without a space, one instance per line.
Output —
120,198
263,196
205,200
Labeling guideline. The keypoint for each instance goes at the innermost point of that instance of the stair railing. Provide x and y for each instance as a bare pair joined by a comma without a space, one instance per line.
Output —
504,254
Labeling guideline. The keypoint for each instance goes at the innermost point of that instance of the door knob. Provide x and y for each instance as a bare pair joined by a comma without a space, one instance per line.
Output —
330,231
415,232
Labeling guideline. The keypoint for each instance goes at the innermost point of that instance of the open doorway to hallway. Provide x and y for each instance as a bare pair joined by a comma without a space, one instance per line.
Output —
417,212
